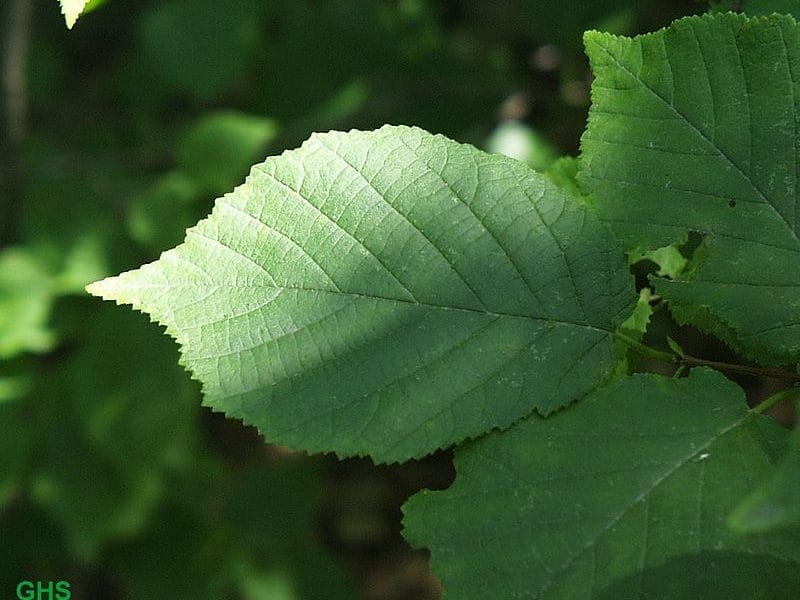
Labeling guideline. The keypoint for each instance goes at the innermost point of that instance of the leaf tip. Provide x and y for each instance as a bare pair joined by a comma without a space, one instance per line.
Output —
102,288
72,9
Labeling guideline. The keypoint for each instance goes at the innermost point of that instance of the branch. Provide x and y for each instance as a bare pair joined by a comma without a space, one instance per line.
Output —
793,393
693,361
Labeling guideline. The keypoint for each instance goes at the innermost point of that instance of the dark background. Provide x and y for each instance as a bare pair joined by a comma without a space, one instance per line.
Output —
118,135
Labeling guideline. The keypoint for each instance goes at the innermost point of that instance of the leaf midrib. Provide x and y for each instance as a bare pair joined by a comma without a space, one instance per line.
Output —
360,296
641,497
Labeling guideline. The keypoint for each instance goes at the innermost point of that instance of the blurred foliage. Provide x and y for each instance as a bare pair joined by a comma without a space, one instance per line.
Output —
111,474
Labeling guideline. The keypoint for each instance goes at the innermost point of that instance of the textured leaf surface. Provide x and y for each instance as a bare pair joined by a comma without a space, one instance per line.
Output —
694,128
637,477
389,293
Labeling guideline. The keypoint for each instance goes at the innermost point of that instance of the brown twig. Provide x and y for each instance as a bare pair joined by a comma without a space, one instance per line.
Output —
693,361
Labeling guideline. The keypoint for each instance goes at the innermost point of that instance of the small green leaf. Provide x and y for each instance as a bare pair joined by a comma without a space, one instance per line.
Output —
694,128
30,284
636,325
615,492
671,263
27,294
563,172
675,347
389,293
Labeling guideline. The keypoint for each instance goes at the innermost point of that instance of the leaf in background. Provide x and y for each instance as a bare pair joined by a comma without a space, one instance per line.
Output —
71,9
27,294
159,216
13,388
93,5
389,293
694,128
136,406
219,148
29,287
92,498
636,324
563,173
638,474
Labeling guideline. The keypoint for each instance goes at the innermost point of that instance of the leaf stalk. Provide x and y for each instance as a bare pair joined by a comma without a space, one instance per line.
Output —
787,394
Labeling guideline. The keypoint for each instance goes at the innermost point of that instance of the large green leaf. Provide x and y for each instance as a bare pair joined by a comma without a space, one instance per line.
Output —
694,128
622,491
389,293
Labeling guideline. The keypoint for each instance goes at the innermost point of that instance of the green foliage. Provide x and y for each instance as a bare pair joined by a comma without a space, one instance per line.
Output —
416,281
392,292
671,262
26,298
224,33
217,151
638,474
666,152
30,284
